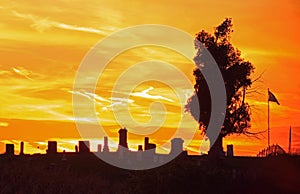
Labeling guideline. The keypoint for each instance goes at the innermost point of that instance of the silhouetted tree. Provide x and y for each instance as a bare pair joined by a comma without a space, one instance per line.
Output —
236,74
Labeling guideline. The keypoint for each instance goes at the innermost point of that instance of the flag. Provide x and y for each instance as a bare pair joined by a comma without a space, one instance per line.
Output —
272,98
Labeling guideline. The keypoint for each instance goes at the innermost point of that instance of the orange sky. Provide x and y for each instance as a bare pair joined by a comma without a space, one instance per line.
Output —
43,43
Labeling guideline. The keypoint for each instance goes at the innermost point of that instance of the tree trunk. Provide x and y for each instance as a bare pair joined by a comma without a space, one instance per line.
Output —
216,150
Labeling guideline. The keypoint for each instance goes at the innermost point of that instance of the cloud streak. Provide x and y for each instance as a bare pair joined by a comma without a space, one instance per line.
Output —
91,96
145,94
23,72
4,124
4,72
42,24
110,103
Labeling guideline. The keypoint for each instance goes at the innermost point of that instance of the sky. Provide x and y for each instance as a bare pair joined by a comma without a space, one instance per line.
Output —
42,44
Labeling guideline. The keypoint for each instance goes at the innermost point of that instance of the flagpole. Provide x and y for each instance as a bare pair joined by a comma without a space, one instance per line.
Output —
268,119
290,140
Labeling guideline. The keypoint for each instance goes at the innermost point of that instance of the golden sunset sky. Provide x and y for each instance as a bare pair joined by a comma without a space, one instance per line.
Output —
42,44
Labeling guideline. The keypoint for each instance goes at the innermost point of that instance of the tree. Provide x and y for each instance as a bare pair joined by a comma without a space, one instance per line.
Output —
236,73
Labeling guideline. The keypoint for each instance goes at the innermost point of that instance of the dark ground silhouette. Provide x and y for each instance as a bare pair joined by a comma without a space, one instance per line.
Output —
88,174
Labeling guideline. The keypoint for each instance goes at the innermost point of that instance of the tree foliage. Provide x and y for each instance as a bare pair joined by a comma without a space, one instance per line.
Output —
236,73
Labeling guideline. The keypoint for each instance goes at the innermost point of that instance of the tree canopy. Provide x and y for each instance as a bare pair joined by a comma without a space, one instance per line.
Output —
236,73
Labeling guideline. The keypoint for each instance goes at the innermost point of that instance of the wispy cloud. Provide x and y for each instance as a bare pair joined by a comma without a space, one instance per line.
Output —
97,97
91,96
4,124
106,103
42,24
23,72
4,72
145,94
125,100
48,109
118,102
